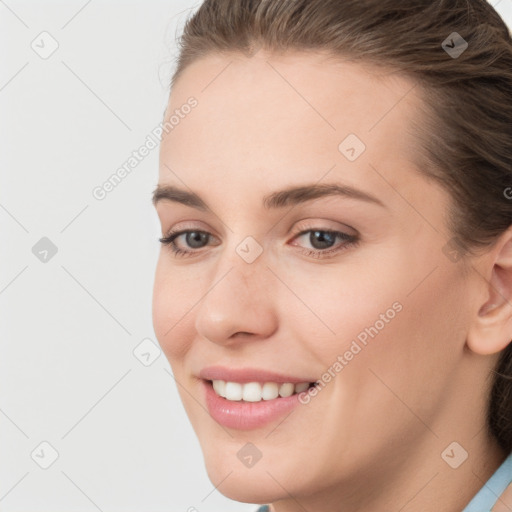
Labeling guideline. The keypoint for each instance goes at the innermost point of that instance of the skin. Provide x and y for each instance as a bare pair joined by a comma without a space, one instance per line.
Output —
372,439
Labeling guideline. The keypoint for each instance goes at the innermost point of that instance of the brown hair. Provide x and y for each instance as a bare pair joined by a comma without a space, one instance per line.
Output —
465,133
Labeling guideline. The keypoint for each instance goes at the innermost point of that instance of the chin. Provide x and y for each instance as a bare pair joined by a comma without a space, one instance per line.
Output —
246,485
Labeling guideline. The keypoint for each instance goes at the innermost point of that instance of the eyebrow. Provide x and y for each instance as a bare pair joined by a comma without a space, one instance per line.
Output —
275,200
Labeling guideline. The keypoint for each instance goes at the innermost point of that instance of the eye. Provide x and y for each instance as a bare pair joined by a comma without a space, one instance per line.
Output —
323,241
194,238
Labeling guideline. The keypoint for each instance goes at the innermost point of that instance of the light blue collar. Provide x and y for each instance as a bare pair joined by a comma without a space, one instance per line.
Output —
488,495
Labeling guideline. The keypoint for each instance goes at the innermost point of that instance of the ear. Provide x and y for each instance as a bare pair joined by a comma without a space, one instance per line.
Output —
491,328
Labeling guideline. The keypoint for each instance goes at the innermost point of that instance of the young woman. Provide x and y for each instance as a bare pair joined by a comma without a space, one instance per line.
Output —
334,288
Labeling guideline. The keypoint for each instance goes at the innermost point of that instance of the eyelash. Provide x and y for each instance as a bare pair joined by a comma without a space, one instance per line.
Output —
350,241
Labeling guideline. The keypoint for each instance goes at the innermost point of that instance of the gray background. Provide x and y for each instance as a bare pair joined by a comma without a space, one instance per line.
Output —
71,321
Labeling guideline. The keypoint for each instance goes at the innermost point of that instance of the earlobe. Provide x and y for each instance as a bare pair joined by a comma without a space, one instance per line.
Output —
491,328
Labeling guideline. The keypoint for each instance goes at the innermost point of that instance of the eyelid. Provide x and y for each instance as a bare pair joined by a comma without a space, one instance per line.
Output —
324,225
187,225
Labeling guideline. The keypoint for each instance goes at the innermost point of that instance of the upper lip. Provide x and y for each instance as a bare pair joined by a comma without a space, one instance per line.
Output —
244,375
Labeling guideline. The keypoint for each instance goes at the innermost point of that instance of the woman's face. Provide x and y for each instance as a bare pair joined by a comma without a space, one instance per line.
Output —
381,308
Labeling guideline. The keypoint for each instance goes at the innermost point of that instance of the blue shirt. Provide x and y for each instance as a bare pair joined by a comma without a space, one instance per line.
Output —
486,497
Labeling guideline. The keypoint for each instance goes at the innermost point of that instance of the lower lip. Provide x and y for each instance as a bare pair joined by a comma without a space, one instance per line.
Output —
242,415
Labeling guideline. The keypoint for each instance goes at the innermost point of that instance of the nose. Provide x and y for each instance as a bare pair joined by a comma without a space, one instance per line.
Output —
238,304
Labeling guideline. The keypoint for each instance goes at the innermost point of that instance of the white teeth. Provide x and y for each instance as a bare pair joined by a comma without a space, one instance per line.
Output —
286,389
251,392
220,387
255,391
270,391
233,391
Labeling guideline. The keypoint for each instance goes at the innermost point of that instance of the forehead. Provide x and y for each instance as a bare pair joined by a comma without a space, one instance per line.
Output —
275,116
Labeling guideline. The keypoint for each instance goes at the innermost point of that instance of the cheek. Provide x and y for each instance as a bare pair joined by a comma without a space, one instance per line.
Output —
412,360
407,360
171,310
332,307
400,321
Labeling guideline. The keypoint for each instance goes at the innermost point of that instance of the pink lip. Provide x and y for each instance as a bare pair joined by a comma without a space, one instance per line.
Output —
243,375
242,415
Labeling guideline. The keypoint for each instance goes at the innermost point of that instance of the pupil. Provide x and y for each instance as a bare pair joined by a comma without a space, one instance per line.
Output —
323,237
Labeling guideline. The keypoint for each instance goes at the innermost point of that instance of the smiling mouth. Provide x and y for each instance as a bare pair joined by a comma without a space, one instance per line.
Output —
257,391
